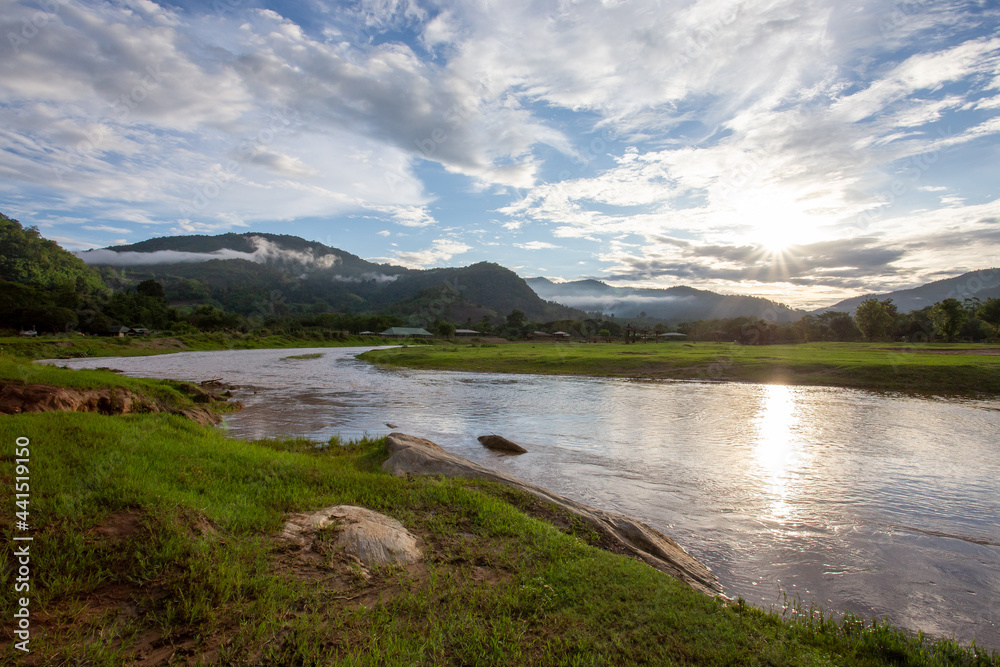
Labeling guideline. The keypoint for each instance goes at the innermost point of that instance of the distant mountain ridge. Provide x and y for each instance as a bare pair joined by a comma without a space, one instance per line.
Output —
983,284
242,271
675,304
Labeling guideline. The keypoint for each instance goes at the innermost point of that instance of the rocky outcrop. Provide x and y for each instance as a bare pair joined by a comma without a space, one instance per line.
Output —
412,455
498,443
19,398
372,538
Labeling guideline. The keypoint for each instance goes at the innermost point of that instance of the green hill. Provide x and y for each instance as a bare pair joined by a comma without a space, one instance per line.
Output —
256,273
42,286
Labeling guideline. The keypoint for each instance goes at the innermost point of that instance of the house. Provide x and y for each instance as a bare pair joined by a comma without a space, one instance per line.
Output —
406,332
367,333
119,332
139,331
28,332
466,332
561,334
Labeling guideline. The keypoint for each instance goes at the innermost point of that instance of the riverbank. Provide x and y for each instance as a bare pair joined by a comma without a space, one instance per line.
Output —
28,387
155,540
871,366
73,346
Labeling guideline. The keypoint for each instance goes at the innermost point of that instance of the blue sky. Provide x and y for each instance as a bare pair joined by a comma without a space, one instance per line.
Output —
805,150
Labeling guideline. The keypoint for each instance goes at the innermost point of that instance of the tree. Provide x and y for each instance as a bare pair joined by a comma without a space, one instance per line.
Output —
948,317
516,319
605,334
838,326
444,329
989,312
150,288
873,318
485,325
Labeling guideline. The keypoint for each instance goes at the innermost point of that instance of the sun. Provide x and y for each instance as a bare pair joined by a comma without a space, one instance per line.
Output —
775,240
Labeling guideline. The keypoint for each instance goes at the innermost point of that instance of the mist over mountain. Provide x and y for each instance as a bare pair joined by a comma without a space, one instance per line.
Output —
982,284
674,304
260,273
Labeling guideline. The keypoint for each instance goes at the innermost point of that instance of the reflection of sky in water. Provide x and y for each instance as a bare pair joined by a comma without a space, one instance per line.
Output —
886,506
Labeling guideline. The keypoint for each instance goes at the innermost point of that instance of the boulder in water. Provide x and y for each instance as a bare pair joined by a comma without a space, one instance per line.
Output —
498,443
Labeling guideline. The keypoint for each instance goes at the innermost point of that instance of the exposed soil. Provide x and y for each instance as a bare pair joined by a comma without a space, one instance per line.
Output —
111,609
16,398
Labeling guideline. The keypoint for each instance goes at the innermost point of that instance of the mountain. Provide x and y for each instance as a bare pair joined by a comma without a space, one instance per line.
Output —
255,273
675,304
984,284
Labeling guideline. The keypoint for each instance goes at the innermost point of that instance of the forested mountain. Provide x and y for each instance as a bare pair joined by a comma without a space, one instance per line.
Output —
674,304
41,285
29,259
268,274
982,284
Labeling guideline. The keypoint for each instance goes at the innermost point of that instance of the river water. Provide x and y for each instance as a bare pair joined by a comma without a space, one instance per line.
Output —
887,506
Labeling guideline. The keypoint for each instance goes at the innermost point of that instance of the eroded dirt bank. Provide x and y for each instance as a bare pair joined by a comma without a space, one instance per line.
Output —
16,398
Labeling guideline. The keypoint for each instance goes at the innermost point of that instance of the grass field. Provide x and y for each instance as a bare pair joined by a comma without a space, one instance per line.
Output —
154,540
930,369
74,346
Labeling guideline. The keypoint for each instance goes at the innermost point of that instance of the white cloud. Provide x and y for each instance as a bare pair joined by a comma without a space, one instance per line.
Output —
265,251
536,245
728,124
407,216
441,250
106,228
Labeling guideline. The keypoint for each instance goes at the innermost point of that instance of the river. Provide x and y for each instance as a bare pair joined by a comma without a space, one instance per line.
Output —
886,506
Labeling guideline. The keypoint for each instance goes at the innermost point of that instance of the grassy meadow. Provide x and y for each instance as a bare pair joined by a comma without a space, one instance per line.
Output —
154,540
931,369
71,346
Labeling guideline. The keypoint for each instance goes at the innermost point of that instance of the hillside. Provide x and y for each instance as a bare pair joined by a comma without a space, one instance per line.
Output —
257,273
674,304
42,286
982,284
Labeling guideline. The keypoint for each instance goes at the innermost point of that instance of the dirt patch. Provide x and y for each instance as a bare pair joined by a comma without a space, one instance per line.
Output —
163,344
118,526
114,610
18,398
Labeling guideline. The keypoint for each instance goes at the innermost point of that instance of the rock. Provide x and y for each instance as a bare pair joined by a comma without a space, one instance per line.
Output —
372,538
391,425
498,443
412,455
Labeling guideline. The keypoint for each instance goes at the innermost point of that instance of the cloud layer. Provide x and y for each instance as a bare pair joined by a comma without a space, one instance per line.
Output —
792,148
264,252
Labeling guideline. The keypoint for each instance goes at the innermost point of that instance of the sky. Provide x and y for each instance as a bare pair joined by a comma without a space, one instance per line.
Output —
801,150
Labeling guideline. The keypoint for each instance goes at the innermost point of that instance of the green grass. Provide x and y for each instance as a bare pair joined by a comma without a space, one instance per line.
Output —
198,573
72,346
874,366
314,355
